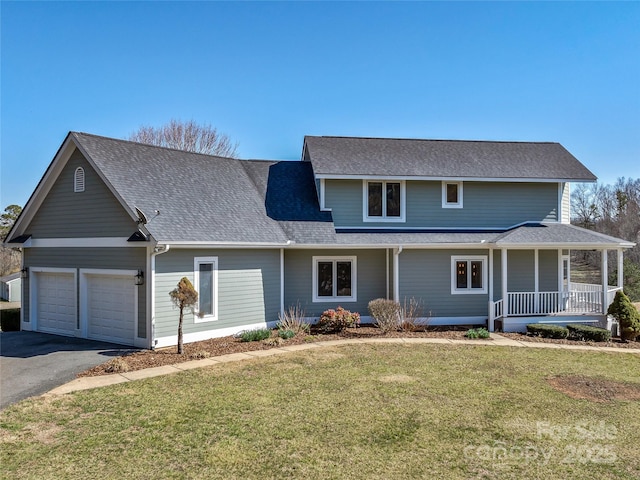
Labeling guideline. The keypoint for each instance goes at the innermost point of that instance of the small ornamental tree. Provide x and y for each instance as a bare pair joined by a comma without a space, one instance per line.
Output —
626,314
183,296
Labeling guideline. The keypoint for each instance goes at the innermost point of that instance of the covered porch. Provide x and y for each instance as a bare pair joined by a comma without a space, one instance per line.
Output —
522,287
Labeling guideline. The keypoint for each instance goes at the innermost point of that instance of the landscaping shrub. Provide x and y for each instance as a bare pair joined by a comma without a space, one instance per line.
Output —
117,365
200,354
273,341
477,333
286,334
547,331
386,314
410,311
588,333
337,320
627,316
293,319
255,335
10,320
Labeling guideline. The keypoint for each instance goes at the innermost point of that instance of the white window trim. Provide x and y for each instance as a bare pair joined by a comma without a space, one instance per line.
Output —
78,180
196,284
334,260
446,204
468,291
383,218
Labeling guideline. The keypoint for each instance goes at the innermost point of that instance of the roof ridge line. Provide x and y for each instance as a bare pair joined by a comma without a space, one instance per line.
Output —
122,140
413,139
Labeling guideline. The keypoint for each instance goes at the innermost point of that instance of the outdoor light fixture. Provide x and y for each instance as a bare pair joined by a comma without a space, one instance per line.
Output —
140,278
24,273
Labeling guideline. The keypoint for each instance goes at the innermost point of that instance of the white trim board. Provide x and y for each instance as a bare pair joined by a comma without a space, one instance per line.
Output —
84,242
332,176
172,340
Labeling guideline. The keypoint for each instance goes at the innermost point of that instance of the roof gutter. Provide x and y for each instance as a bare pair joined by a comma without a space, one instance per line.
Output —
158,250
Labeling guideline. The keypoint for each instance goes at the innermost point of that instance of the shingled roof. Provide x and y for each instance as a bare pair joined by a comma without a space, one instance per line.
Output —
200,198
395,157
215,200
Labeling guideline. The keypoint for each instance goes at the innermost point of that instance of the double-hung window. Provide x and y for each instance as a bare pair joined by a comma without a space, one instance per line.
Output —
384,201
468,274
334,279
451,194
206,284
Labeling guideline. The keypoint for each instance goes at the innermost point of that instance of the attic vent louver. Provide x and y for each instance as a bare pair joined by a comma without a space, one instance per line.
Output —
78,180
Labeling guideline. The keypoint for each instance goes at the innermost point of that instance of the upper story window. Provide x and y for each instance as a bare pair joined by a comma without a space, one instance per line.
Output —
468,274
78,180
451,194
206,284
384,201
334,279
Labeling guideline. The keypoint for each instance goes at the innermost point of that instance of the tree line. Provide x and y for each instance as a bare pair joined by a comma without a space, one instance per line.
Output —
614,210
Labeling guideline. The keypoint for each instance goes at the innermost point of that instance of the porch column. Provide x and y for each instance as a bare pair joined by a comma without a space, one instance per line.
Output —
561,292
620,269
491,319
505,299
605,280
536,279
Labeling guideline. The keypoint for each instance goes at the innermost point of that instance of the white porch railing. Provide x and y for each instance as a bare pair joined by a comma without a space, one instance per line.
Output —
581,299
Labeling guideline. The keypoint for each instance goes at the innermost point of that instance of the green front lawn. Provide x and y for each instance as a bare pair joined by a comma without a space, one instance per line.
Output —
357,411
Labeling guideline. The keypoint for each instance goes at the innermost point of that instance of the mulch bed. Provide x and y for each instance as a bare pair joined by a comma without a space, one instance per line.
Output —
225,345
615,342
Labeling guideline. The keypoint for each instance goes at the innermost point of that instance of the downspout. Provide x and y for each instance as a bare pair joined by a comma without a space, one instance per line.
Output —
396,273
158,250
282,282
386,251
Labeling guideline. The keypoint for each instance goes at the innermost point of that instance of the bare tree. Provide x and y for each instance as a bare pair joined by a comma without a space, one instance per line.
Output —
188,136
613,210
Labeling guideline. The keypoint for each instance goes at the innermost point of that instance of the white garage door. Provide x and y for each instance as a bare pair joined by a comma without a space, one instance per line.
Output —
111,308
55,303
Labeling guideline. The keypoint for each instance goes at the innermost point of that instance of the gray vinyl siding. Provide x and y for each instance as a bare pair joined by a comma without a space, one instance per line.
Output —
426,276
497,275
566,203
548,270
520,271
371,280
107,258
248,288
485,204
344,198
92,213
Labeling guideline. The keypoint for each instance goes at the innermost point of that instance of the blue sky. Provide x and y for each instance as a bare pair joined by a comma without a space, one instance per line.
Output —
269,73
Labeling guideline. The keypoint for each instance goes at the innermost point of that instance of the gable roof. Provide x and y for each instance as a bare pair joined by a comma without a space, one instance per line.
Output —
207,200
201,198
442,159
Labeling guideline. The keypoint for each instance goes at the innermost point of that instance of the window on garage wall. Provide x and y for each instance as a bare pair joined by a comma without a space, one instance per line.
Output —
206,284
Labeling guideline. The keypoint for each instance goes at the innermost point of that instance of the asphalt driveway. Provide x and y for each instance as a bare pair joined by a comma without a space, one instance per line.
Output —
34,363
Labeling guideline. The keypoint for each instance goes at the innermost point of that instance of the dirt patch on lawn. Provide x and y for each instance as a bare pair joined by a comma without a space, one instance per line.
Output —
595,389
